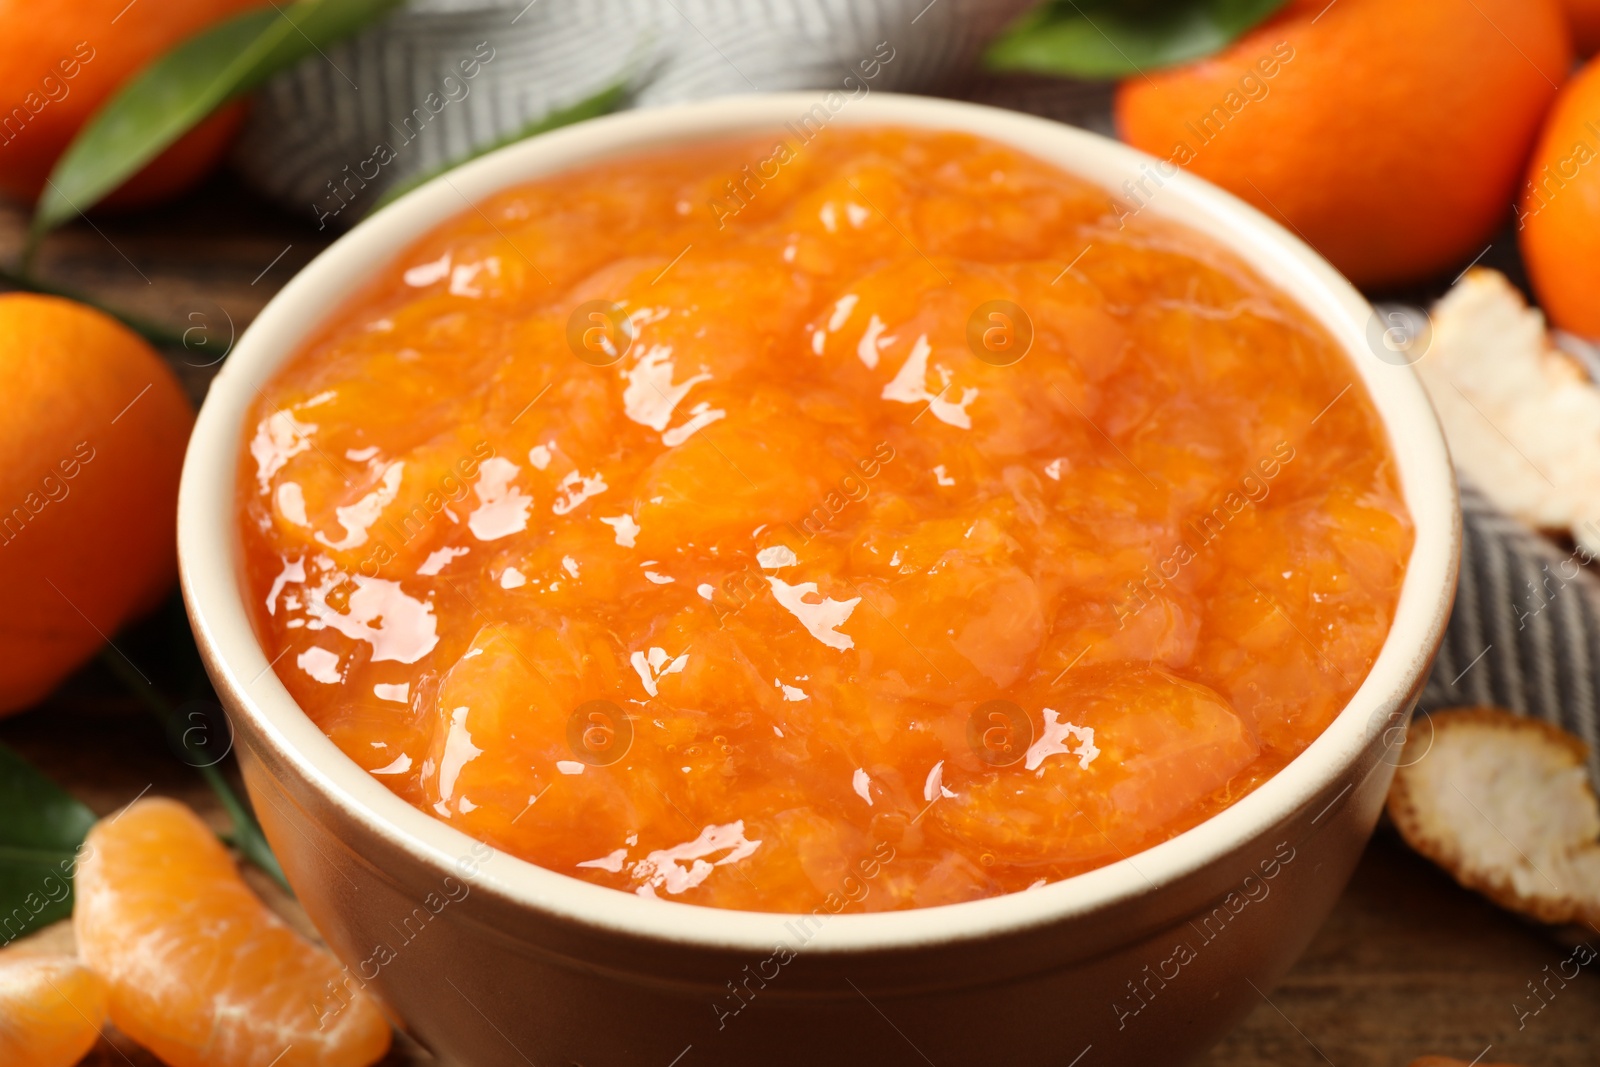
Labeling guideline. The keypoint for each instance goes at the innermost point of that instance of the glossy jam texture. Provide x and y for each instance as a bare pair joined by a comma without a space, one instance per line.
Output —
814,599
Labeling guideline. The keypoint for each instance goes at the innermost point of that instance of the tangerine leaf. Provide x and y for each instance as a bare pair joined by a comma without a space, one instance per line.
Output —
41,827
177,91
1107,39
247,836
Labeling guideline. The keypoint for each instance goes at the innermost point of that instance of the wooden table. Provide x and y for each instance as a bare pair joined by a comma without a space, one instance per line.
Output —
1408,964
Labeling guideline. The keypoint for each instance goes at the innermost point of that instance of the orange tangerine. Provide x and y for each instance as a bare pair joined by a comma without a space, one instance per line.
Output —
60,60
90,452
1559,217
1349,123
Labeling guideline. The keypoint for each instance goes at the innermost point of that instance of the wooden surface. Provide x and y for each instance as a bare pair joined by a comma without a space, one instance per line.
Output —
1408,964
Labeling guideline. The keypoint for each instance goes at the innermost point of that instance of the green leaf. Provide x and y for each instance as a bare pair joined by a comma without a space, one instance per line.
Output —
247,836
1105,39
41,827
604,102
179,90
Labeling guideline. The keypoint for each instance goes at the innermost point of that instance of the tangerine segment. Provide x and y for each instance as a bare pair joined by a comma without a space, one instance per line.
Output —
51,1009
1143,747
200,971
707,611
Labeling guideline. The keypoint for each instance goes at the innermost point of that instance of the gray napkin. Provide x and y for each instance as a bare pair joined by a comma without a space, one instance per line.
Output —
1525,633
443,77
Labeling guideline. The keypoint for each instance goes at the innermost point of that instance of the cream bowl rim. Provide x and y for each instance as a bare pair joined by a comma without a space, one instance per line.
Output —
209,541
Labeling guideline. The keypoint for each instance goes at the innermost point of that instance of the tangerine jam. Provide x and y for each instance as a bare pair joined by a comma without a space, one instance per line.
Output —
883,520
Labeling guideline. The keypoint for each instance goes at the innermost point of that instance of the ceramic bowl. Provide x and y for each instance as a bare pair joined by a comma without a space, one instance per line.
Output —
489,960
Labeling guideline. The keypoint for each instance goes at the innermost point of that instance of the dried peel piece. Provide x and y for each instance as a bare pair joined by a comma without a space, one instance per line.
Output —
1522,417
1503,803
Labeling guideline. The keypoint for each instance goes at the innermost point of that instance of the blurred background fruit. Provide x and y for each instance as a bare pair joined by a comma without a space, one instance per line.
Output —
1390,136
51,1009
1560,209
1584,17
90,452
61,59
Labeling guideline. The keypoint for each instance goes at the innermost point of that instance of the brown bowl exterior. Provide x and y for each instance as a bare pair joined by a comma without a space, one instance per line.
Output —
487,982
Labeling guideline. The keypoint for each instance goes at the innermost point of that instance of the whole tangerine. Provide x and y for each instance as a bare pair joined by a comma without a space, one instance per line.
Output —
90,452
61,59
1389,136
1559,214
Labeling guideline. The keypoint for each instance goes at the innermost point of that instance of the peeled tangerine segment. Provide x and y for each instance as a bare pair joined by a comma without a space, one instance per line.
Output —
502,766
200,972
1117,755
51,1009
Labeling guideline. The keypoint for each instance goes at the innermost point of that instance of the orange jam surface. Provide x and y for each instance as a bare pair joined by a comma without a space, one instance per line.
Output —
689,525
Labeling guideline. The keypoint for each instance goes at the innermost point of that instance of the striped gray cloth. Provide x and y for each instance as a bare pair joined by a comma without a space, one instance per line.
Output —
1525,634
443,77
313,138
